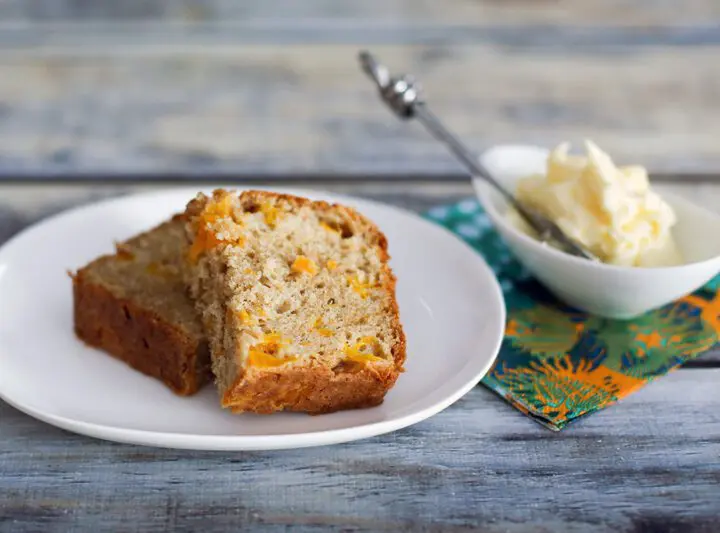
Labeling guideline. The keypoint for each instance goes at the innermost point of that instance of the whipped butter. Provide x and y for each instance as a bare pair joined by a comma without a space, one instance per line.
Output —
608,209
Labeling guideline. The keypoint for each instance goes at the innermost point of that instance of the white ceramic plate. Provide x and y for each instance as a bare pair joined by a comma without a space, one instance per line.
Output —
450,303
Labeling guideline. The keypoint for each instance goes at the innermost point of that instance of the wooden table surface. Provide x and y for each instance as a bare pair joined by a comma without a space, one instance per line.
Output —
648,464
163,87
104,98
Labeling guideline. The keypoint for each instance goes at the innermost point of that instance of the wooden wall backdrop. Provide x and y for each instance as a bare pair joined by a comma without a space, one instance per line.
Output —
272,87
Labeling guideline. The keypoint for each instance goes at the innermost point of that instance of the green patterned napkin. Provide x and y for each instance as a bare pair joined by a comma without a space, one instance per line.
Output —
556,363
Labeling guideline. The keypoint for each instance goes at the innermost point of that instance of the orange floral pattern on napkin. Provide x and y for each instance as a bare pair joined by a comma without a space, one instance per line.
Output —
556,363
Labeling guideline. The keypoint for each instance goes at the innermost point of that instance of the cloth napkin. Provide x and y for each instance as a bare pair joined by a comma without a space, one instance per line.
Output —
557,363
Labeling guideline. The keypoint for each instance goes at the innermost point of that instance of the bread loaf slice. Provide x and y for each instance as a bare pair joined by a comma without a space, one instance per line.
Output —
297,300
134,306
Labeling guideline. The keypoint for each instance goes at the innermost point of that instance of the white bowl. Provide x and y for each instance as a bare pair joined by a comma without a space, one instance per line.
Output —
605,290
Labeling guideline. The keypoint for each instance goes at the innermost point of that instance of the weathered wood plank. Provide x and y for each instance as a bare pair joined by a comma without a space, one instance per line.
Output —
395,12
648,464
62,37
303,108
272,87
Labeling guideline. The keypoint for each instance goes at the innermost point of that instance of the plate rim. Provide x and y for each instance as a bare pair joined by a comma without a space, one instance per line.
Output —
280,441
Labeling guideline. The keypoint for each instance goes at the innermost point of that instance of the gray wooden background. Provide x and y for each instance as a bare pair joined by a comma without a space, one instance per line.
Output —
271,87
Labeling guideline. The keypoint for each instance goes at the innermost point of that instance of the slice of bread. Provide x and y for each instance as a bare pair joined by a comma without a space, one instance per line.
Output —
134,306
297,300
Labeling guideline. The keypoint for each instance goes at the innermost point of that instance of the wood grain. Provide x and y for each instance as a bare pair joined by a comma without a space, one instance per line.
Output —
648,464
645,13
273,87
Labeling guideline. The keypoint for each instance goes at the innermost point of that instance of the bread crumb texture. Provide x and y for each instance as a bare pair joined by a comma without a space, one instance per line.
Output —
297,300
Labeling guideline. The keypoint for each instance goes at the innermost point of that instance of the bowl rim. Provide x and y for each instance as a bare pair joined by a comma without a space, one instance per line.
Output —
483,191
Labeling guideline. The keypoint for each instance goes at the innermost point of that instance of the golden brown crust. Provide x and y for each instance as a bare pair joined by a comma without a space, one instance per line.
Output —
139,337
314,387
132,332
